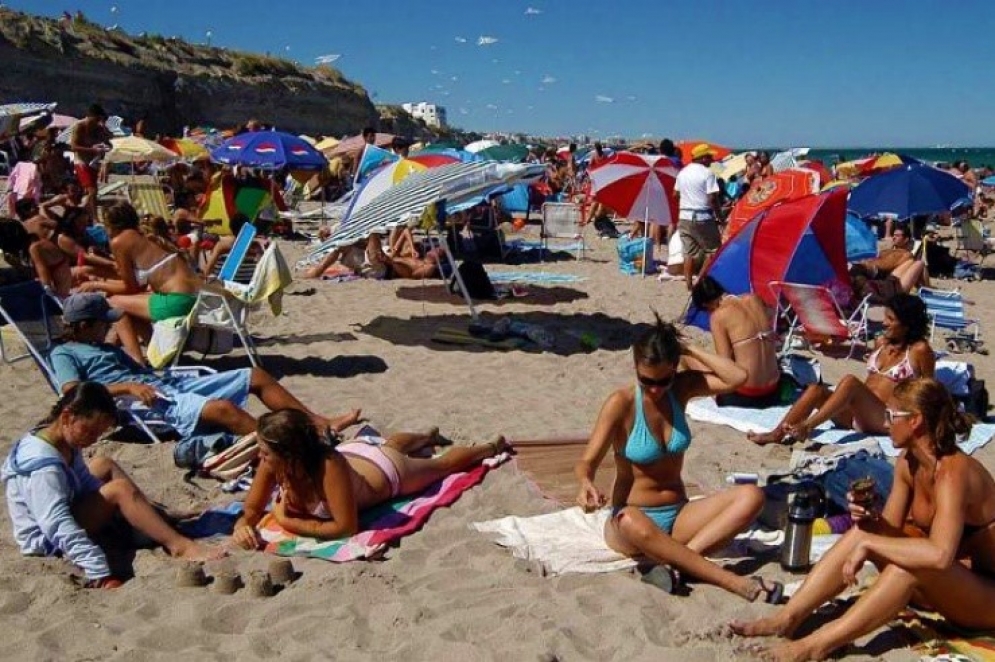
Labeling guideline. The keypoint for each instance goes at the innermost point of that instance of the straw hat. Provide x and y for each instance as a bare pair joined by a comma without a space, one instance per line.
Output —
701,151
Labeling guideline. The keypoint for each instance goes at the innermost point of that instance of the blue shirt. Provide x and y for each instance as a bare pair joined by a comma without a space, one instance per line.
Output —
105,364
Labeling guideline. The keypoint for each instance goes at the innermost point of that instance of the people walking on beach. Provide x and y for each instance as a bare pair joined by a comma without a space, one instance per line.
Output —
321,486
90,142
646,428
698,212
742,330
933,541
902,353
59,502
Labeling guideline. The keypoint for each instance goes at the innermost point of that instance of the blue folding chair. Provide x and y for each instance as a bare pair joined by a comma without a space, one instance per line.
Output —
236,267
947,310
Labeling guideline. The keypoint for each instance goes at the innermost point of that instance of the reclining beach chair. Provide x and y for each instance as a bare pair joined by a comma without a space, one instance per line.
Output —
562,220
148,197
946,309
971,239
31,317
813,309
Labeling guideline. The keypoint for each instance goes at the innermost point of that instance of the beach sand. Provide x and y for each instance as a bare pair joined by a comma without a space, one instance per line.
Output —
445,593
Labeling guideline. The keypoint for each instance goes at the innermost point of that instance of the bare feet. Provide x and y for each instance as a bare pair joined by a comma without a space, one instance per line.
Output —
194,551
794,651
777,625
499,445
800,432
775,436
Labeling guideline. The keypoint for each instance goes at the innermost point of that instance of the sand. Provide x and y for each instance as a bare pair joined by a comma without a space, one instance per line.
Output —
446,592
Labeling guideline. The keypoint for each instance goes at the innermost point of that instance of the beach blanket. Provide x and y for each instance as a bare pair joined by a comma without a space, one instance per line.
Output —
762,420
449,335
531,277
939,640
572,541
527,245
379,526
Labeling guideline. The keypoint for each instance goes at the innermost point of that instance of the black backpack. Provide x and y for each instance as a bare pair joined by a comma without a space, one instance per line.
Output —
474,276
606,228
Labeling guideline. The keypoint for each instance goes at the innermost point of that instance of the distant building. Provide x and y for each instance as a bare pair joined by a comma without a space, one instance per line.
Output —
431,114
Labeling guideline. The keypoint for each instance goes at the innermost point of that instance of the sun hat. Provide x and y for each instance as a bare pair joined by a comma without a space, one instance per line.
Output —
89,306
701,151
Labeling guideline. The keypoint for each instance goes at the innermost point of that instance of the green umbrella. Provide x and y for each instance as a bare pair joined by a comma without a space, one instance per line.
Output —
512,152
437,147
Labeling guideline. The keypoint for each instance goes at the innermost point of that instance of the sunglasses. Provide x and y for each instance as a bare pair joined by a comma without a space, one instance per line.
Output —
666,382
891,414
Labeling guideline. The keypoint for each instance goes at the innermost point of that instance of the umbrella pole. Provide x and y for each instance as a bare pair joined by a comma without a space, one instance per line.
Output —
646,238
441,226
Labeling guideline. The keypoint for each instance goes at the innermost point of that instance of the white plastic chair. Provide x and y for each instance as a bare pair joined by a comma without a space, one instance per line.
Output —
562,220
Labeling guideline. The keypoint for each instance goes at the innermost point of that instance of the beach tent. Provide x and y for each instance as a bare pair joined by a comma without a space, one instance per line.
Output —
516,201
861,240
802,241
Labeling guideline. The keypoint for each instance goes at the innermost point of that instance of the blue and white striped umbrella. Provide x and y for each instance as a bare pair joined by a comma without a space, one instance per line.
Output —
405,202
10,113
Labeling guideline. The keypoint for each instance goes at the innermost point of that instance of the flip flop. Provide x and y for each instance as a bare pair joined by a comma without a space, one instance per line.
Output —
773,591
664,578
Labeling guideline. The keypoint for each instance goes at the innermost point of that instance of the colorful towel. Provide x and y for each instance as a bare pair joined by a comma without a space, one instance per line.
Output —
531,277
938,640
526,245
453,336
271,277
762,420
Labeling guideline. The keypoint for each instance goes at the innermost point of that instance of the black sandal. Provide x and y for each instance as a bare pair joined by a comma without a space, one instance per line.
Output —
773,592
664,578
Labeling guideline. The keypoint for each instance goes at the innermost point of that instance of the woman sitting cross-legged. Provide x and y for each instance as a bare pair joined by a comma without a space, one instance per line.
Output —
58,501
902,353
934,542
646,428
320,488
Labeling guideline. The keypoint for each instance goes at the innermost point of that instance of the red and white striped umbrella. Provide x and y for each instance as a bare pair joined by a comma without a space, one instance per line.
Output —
637,186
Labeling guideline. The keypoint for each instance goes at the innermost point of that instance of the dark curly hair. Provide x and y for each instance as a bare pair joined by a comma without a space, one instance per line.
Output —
910,311
290,434
661,344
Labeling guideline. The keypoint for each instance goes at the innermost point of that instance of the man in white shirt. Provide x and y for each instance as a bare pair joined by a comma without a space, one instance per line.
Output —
698,203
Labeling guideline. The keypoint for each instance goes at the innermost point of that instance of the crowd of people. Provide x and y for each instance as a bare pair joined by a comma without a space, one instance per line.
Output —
116,277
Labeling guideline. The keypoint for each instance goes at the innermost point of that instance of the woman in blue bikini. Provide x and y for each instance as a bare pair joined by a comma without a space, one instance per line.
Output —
646,428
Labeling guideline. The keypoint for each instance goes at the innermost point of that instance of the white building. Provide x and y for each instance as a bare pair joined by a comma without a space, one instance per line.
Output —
431,114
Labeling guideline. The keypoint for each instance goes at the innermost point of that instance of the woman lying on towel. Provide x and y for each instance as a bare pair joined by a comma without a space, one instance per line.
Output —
645,427
933,542
742,329
155,284
902,353
320,487
366,258
58,501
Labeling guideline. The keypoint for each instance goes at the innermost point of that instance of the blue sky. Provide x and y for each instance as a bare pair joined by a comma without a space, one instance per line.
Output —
797,72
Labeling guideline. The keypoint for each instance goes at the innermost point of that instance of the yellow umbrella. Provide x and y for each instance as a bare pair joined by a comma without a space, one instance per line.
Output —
186,148
327,143
132,148
734,164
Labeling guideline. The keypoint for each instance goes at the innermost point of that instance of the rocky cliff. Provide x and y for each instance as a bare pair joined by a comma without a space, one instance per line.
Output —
169,82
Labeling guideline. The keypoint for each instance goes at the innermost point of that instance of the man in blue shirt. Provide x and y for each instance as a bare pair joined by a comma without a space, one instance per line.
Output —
191,405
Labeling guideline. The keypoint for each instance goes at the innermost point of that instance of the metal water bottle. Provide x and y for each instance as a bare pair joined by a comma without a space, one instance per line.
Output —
806,505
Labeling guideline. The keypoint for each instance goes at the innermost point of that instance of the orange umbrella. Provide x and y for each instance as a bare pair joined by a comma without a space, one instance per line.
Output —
786,185
686,146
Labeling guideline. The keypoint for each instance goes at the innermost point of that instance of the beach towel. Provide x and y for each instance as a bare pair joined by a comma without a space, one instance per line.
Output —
527,245
455,336
271,276
572,541
531,277
939,640
762,420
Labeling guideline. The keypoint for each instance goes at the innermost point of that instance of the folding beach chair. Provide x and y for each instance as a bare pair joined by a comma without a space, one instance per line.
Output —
971,239
562,220
147,196
33,318
947,310
815,310
238,266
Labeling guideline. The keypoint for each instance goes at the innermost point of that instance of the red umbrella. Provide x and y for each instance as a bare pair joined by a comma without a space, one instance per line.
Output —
820,168
354,145
786,185
686,146
433,160
636,186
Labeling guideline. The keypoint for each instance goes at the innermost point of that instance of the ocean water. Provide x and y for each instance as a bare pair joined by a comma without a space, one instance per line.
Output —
977,157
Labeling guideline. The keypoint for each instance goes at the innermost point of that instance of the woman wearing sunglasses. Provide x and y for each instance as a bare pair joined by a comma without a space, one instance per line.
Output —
934,540
645,427
902,353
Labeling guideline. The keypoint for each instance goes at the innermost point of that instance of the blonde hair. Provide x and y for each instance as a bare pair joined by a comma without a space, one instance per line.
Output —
931,399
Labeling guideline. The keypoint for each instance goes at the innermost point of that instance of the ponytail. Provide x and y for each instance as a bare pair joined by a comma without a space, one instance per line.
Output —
931,399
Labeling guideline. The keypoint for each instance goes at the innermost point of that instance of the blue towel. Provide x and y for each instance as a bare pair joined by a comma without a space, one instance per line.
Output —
531,277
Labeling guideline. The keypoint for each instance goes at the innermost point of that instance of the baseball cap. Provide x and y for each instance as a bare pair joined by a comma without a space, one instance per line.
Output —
701,150
89,306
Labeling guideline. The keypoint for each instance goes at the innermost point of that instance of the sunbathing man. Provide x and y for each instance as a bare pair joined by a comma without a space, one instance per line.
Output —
188,404
742,331
902,353
895,267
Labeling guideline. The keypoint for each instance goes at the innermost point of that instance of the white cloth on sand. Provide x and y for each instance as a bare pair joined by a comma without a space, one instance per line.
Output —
572,541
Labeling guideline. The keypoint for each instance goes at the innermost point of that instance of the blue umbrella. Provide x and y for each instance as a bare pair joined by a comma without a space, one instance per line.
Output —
269,150
907,191
861,240
988,181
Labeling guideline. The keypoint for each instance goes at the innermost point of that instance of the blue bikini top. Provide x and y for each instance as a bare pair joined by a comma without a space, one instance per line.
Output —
642,447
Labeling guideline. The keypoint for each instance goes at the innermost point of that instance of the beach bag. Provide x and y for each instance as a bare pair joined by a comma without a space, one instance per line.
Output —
475,279
209,340
229,463
975,401
630,255
606,228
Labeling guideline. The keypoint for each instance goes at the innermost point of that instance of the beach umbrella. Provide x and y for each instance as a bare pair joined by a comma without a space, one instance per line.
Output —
436,147
58,121
186,148
686,146
511,152
326,144
11,113
769,191
382,180
637,186
114,124
988,181
269,150
480,145
885,161
132,149
731,166
907,191
861,240
355,144
434,160
818,167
